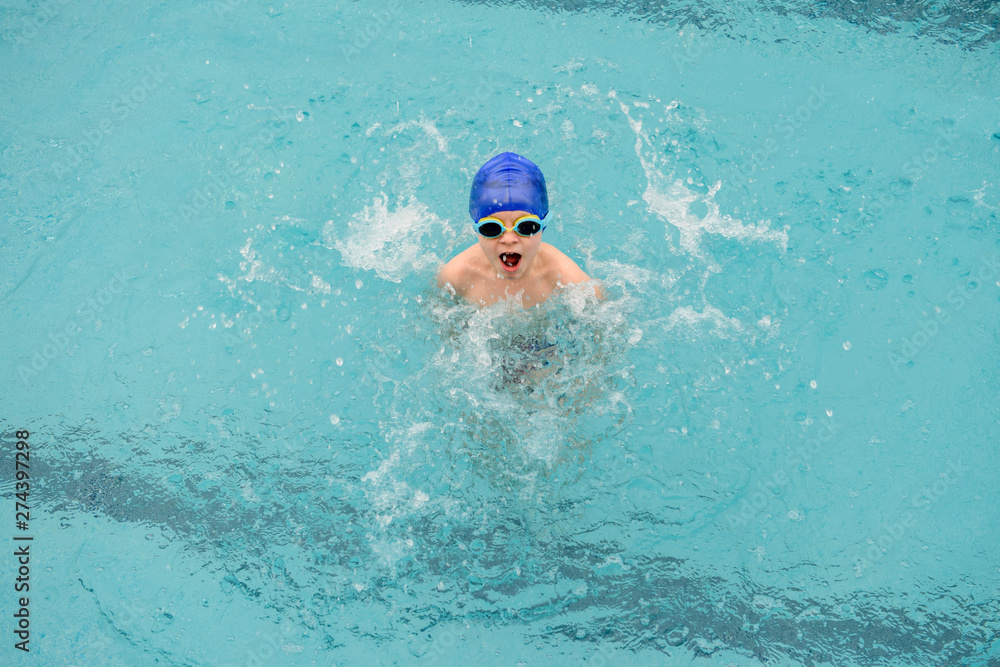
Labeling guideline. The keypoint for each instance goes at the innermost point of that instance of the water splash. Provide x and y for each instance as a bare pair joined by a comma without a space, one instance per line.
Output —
393,243
672,201
507,408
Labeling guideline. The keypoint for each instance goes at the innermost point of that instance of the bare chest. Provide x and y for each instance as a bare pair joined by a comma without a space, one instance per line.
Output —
488,292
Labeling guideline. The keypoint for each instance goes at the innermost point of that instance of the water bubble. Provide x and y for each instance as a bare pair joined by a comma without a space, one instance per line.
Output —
936,11
706,647
812,383
875,279
339,361
335,420
847,345
163,620
358,284
677,636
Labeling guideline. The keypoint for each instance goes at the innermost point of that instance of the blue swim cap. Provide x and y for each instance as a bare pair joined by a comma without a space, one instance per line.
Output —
508,182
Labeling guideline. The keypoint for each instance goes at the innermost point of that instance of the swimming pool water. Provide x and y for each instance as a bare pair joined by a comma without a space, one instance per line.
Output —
259,435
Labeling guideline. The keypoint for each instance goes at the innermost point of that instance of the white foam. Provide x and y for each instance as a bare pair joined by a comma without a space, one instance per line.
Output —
671,201
568,131
543,438
573,66
389,242
320,285
253,268
643,280
429,128
689,321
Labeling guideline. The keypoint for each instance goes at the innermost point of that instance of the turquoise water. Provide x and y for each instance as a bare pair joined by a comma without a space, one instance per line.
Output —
259,435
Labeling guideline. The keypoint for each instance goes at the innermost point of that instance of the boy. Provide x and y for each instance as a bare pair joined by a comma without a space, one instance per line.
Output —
508,203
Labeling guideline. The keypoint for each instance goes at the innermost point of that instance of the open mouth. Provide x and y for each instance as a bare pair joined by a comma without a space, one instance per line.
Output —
510,261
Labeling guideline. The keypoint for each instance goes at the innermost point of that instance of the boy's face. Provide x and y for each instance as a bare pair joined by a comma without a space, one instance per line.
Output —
511,255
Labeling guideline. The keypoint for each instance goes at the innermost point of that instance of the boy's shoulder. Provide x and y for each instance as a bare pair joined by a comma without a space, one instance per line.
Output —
560,268
469,274
461,269
562,271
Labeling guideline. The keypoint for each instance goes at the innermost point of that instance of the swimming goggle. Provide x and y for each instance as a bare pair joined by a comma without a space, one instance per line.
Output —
526,225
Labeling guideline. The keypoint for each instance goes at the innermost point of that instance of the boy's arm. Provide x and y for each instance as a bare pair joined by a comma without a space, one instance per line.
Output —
444,275
569,274
450,276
